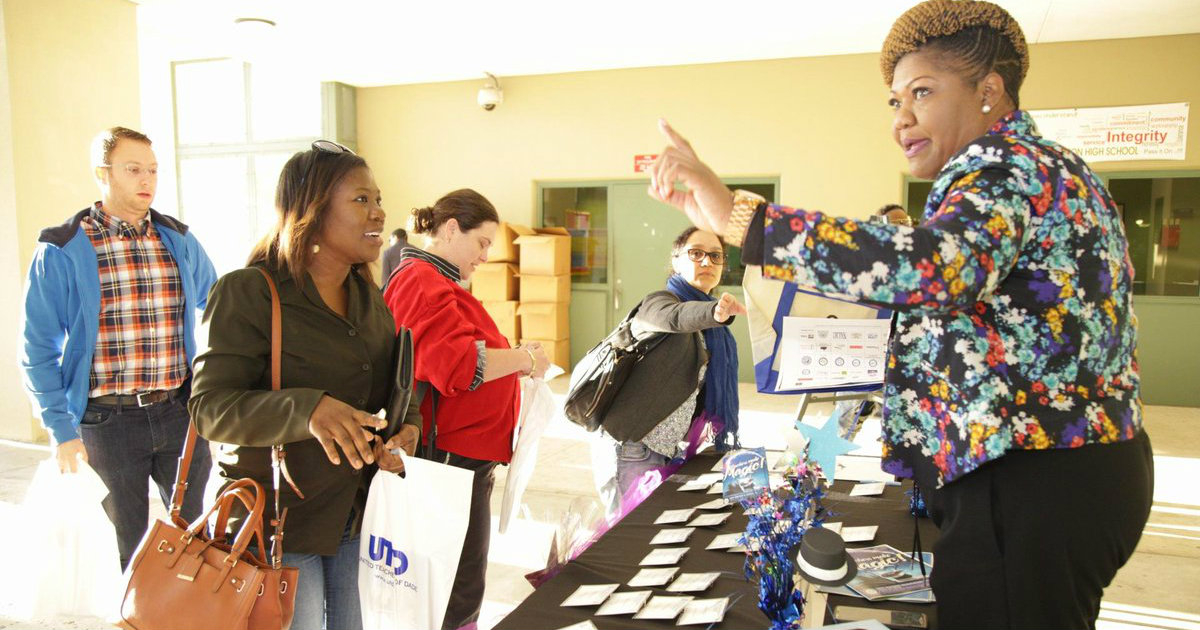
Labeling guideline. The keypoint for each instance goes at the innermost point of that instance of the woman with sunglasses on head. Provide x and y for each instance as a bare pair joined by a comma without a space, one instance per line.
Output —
661,418
1012,391
467,366
337,344
895,214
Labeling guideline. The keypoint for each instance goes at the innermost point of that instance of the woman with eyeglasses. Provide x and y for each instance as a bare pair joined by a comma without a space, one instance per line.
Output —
700,395
337,345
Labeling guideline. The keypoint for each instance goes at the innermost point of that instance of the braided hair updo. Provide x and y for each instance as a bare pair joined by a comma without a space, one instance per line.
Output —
972,37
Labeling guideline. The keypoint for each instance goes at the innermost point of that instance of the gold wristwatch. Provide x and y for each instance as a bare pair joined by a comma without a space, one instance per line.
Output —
745,204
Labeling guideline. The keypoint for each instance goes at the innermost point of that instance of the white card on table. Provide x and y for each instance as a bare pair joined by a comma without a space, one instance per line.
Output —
664,556
672,536
756,509
624,603
867,489
653,577
715,504
709,520
586,624
864,533
856,468
835,527
674,516
590,595
717,488
701,483
776,481
743,548
663,607
724,541
700,611
688,582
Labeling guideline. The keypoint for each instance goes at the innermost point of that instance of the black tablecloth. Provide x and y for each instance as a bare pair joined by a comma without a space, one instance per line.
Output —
614,558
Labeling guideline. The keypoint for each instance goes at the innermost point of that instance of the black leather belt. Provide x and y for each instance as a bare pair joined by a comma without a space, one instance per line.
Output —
143,399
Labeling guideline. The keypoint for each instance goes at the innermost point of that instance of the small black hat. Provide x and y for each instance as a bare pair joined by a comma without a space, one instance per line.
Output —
823,559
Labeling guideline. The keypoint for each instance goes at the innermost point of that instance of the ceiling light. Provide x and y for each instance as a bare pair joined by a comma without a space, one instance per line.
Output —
254,38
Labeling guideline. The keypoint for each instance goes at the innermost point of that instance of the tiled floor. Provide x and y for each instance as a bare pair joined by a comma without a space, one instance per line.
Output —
1158,588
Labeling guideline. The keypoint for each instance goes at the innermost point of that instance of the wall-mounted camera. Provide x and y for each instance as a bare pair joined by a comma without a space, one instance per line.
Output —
490,95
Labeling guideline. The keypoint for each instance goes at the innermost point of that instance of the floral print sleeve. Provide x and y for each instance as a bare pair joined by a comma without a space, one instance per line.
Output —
1014,326
957,256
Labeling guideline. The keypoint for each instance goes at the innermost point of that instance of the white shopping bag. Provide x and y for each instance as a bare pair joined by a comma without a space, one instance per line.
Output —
537,409
412,536
72,566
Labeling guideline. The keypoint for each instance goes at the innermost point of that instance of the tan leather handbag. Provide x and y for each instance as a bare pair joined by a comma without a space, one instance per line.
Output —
179,578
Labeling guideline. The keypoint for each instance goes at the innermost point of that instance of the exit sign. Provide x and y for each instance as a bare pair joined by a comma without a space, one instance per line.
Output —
642,163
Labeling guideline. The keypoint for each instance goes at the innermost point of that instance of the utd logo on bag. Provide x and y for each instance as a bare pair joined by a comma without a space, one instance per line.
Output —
381,549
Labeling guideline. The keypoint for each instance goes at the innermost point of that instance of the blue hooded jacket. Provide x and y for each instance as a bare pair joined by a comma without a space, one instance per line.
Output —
61,318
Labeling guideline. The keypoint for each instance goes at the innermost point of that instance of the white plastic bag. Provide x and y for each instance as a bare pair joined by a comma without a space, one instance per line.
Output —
412,536
67,546
537,409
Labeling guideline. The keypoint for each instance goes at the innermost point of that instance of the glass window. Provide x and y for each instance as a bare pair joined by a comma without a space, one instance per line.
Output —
214,202
918,193
228,169
210,102
734,272
266,177
1162,222
584,212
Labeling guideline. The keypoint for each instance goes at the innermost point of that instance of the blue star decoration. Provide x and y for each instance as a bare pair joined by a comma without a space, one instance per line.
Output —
824,445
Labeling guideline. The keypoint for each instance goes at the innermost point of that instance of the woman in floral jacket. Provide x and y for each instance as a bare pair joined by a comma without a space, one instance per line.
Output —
1012,392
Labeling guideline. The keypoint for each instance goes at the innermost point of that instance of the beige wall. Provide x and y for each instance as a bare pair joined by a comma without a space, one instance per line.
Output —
821,124
72,69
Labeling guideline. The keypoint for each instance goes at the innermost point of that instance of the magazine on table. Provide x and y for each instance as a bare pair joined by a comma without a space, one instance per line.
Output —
885,572
919,597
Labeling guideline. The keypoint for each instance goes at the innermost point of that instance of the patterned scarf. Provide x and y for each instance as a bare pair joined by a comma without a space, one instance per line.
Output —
720,382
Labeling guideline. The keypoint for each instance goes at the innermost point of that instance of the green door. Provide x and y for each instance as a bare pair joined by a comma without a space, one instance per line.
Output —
642,231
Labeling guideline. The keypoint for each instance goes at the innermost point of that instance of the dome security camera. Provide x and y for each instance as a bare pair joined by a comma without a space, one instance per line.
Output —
490,95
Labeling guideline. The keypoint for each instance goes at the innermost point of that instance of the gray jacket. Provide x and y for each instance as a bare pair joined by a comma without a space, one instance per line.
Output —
664,379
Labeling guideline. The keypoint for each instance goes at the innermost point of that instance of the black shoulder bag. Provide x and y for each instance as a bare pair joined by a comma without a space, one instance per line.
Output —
600,374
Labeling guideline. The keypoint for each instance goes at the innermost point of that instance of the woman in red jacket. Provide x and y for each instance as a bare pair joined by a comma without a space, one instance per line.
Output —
471,370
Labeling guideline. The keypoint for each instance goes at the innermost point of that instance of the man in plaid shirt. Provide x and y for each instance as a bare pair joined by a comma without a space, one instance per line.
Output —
110,308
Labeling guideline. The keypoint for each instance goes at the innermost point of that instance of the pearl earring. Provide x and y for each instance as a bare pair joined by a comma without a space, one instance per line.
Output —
316,248
987,109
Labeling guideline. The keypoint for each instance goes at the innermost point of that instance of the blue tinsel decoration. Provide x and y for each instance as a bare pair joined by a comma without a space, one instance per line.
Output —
916,503
773,535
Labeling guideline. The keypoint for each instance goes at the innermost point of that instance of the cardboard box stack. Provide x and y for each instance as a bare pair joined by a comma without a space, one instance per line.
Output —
495,282
526,287
545,289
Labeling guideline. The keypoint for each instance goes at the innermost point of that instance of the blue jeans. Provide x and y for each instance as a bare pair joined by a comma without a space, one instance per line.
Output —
327,589
126,445
634,459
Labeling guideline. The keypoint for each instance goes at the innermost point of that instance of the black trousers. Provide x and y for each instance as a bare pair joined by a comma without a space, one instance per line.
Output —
466,597
1032,539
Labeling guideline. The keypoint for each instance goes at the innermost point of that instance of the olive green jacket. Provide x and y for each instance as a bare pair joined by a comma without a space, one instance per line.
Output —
323,353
